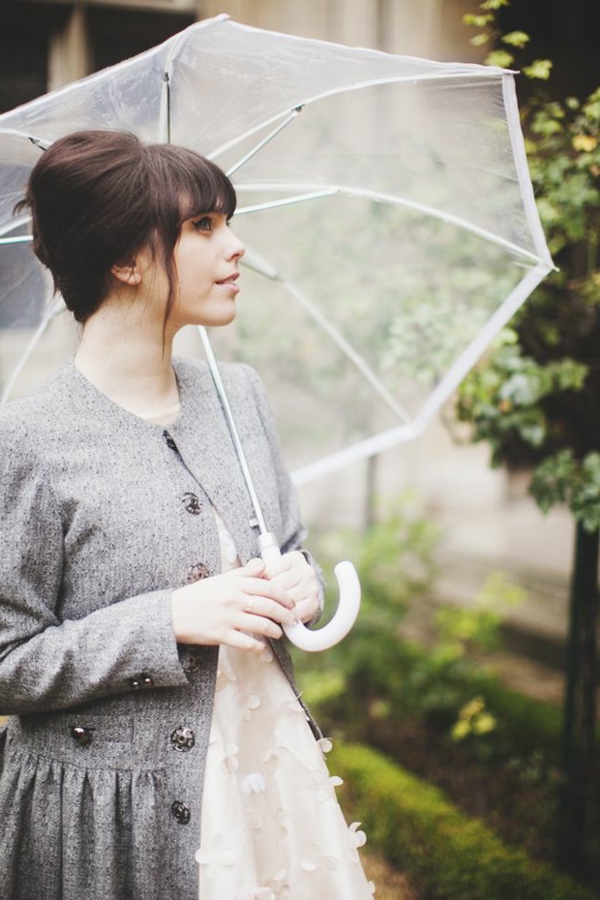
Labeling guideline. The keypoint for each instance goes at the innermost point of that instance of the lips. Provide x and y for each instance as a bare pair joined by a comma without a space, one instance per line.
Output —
231,279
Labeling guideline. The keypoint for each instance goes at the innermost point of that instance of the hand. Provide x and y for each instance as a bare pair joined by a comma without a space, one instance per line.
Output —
224,608
293,574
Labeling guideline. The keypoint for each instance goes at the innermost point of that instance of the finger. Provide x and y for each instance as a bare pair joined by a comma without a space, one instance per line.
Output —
306,610
262,588
270,609
260,625
281,564
292,582
242,641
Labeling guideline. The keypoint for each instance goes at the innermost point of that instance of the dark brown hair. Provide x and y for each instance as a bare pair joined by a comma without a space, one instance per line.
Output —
98,197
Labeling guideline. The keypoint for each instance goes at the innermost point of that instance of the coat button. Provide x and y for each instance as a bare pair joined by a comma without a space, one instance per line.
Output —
191,504
196,573
195,656
180,812
183,739
82,735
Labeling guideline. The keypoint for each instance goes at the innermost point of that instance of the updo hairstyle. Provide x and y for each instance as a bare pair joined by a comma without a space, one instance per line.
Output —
98,197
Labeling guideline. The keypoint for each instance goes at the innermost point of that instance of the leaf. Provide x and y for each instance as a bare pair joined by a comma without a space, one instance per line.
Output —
516,38
484,723
570,375
533,434
480,39
493,4
476,20
553,479
460,730
500,58
539,68
585,143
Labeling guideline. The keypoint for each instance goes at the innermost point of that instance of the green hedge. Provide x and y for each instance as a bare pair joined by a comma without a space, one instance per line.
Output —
451,856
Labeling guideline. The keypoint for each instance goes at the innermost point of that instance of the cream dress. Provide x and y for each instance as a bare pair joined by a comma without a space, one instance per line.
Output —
271,822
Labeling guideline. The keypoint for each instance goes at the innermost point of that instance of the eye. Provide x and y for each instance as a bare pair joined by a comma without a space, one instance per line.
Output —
203,224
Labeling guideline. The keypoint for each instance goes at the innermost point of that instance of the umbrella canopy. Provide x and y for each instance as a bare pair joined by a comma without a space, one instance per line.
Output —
385,203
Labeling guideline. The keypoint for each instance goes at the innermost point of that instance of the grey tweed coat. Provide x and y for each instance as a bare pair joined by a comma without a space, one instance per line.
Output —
102,515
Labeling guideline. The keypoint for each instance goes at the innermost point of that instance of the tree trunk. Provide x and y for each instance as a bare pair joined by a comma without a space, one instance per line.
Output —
580,704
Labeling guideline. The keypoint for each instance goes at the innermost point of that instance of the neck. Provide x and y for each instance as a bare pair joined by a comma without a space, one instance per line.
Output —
123,353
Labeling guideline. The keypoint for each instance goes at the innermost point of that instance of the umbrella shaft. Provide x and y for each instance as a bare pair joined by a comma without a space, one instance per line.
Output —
212,362
269,549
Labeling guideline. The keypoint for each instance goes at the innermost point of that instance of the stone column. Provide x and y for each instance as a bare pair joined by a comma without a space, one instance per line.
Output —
69,51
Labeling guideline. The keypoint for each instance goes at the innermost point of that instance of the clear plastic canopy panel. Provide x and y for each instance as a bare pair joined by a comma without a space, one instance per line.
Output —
384,201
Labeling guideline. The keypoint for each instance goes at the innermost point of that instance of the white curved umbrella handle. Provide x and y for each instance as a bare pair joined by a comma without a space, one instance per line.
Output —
345,614
343,620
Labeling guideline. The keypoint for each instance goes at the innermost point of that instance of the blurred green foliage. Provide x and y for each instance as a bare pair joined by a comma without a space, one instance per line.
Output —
375,672
436,708
536,395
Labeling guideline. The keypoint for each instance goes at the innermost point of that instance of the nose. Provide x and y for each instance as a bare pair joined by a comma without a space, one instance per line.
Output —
236,249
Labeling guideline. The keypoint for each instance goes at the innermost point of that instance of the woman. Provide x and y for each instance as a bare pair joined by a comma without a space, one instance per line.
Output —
139,636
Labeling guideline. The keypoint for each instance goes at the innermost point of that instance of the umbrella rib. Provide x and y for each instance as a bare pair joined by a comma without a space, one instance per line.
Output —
344,345
17,239
478,345
489,72
12,226
285,201
518,148
363,449
449,218
264,142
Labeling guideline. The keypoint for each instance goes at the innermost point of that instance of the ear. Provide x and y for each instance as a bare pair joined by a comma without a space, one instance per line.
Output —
127,273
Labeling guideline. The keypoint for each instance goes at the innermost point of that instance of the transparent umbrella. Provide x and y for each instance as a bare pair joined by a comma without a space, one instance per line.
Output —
384,201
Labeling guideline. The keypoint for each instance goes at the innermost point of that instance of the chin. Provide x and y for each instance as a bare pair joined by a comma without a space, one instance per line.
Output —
224,317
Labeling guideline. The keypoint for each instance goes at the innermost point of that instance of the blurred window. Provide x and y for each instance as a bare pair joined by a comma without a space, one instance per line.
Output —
117,34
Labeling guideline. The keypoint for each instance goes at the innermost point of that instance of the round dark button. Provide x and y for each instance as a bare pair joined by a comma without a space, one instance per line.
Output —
82,735
194,660
196,573
183,739
180,812
146,680
191,503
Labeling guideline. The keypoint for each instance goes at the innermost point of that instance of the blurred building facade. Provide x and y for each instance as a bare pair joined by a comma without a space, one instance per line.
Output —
44,44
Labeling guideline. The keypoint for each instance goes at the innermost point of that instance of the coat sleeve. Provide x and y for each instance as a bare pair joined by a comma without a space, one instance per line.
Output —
293,531
47,663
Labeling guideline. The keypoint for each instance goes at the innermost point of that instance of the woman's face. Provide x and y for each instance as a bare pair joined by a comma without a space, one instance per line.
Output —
206,258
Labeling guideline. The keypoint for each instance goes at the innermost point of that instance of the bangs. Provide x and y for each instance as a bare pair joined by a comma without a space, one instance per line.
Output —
213,194
184,184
